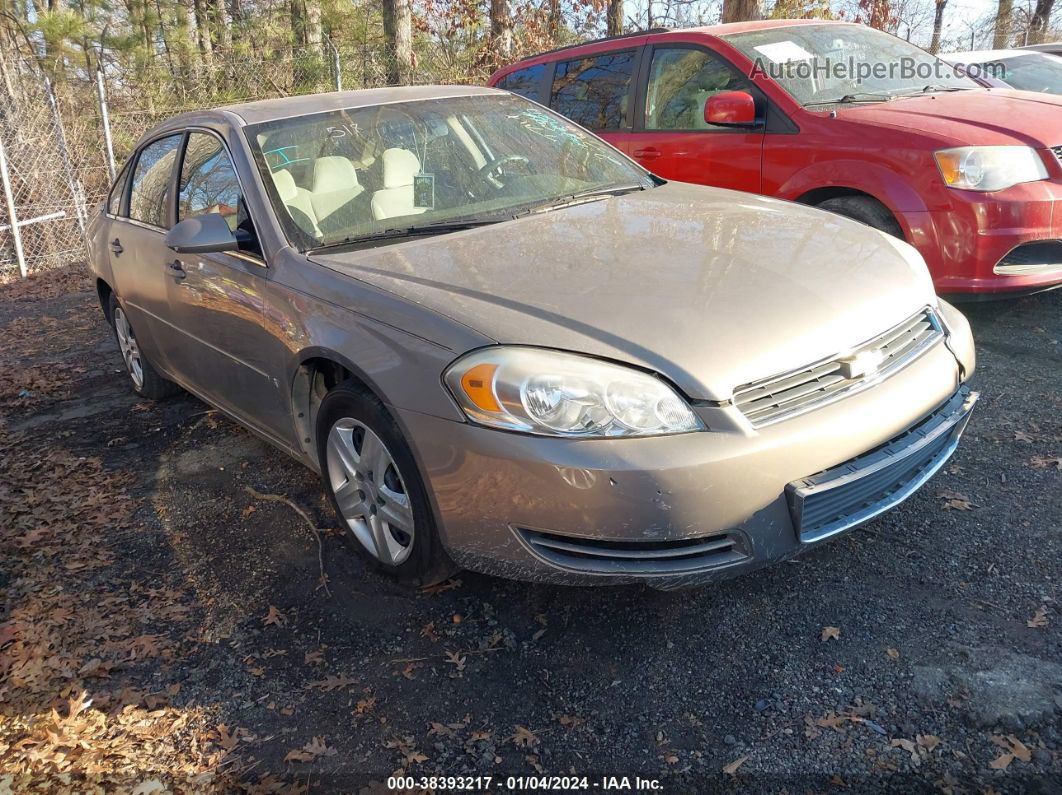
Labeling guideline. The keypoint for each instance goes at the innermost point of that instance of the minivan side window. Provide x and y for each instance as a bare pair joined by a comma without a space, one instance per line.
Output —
209,185
149,199
524,82
681,79
594,91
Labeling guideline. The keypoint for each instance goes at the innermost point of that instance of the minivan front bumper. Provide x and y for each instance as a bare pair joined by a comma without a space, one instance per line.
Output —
689,509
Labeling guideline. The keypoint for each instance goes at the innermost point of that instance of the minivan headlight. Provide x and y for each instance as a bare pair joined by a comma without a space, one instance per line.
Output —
563,394
989,168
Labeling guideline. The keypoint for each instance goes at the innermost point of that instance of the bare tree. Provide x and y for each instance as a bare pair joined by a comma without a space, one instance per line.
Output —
741,10
398,28
938,25
614,19
1004,21
501,29
1040,19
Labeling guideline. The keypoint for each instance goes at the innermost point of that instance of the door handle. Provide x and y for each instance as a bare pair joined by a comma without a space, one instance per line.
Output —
116,247
648,153
176,269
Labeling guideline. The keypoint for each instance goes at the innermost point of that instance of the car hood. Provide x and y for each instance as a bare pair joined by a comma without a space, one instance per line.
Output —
710,288
977,117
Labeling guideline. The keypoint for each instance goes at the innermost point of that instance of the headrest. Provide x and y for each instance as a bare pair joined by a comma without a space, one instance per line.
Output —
399,166
285,185
332,173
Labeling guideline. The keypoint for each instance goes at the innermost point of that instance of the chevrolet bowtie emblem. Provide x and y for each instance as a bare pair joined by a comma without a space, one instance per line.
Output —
862,364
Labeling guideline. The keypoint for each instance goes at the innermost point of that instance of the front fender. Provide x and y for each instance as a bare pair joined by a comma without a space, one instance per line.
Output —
877,181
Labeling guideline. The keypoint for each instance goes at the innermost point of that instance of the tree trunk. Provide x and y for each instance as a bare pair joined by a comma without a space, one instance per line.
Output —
314,35
297,15
741,10
223,23
202,27
501,30
615,17
1040,19
398,28
1004,18
938,25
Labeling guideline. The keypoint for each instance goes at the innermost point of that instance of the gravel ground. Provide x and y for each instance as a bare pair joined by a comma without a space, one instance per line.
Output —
944,671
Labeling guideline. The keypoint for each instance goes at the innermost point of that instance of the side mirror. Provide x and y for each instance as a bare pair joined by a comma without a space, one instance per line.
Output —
731,109
204,234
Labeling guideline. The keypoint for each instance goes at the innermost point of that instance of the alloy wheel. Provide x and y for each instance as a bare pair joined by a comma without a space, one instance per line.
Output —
369,491
129,347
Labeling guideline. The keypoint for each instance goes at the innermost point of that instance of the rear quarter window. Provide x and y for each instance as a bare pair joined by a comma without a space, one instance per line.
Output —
525,82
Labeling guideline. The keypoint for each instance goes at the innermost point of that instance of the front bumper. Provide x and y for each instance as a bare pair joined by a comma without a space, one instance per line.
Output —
967,244
677,510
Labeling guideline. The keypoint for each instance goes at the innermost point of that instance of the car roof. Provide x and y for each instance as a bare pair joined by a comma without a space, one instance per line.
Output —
730,28
263,110
983,56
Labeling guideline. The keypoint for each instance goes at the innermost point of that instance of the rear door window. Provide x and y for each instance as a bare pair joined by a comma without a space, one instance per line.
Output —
152,177
525,82
594,91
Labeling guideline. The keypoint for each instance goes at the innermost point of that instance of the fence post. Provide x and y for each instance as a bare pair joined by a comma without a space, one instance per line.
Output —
12,214
337,74
105,119
76,193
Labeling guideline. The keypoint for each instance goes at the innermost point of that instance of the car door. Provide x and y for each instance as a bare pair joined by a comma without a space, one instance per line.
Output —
230,350
135,247
597,92
671,137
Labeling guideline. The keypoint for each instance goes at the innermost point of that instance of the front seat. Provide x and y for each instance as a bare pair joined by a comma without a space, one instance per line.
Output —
297,200
395,198
335,184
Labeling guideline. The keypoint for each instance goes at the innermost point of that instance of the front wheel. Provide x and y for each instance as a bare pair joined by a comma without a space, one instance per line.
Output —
866,210
145,379
376,489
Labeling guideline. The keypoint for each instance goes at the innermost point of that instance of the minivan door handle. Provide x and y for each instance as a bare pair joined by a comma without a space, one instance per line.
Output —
648,153
177,269
116,247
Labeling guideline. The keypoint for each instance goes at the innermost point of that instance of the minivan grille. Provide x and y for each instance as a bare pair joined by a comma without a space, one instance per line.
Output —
1057,152
601,556
789,394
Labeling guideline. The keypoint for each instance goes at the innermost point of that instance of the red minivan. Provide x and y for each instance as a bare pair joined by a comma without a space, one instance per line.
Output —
837,115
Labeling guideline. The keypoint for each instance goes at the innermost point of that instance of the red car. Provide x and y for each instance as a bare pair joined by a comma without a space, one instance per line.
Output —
837,115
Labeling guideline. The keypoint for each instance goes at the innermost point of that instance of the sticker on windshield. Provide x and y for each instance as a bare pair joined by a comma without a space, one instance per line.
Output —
424,191
784,52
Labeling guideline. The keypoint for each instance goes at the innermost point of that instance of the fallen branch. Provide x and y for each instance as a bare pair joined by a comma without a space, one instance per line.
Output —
301,512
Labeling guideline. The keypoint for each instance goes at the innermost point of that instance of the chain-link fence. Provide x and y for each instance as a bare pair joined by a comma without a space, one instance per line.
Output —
61,141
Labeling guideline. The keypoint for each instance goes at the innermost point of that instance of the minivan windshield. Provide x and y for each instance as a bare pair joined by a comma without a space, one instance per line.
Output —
829,64
1033,72
429,167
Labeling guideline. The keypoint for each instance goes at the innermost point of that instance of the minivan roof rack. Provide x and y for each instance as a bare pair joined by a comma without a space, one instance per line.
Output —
596,41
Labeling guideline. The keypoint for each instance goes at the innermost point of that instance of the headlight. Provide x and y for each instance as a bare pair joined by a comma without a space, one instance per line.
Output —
989,168
563,394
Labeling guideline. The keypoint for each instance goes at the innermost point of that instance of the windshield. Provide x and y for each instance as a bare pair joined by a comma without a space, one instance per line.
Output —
1041,73
356,174
824,64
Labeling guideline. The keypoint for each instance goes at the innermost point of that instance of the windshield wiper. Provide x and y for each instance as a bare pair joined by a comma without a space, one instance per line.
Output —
583,196
933,90
848,99
395,233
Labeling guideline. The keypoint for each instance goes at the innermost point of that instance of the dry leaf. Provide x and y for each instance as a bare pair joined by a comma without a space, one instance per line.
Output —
274,617
731,769
1001,762
524,737
330,683
1045,462
1039,618
831,633
455,658
313,657
894,653
1022,436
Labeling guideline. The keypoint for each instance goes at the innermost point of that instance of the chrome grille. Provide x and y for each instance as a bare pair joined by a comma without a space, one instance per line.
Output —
1057,152
789,394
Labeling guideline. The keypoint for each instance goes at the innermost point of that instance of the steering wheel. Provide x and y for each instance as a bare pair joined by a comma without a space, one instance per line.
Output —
488,175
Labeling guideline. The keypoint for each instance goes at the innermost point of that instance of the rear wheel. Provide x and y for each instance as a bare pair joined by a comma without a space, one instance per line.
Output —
376,489
866,210
146,380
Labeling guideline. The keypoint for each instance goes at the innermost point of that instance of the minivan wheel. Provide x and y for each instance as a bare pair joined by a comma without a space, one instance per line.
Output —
146,380
376,490
866,210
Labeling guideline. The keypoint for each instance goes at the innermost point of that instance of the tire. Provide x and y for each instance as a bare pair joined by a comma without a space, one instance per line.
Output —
145,379
865,210
386,516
